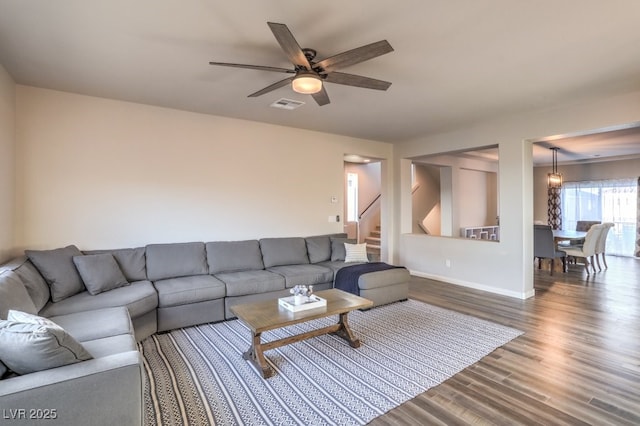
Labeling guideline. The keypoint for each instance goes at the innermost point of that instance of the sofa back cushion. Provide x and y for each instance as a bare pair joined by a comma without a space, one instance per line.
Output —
14,295
234,256
318,248
34,282
58,269
283,251
176,260
131,261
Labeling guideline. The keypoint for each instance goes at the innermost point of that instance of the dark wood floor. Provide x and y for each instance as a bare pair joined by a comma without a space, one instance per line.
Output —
577,363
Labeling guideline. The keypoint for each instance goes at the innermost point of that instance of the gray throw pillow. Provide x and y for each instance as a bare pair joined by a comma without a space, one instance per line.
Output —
131,261
100,272
338,251
58,269
14,295
36,344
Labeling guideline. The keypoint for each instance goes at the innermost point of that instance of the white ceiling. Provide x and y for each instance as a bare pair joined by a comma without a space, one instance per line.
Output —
455,61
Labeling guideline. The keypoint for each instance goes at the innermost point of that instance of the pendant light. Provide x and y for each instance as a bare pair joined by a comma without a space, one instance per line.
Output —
554,179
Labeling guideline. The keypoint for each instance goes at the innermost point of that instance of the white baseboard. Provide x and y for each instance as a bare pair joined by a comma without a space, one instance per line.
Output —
475,286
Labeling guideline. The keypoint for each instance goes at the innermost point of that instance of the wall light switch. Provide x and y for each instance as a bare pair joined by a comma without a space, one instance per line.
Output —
332,218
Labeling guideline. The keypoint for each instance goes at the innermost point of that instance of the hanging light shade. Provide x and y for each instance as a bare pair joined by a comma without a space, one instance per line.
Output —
554,179
306,83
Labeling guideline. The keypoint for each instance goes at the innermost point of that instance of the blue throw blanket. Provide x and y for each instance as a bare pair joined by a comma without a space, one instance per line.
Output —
347,277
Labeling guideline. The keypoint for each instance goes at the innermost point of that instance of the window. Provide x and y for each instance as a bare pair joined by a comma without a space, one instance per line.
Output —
352,197
606,201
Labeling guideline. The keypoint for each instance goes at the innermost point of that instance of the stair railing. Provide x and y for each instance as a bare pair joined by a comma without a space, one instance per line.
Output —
362,214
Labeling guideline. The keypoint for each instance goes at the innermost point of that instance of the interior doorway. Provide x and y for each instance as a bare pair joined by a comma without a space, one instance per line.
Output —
363,196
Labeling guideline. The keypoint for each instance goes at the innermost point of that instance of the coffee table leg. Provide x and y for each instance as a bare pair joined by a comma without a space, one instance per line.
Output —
255,355
345,332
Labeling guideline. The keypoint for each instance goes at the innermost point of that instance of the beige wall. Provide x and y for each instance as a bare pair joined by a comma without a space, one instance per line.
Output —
7,164
504,267
580,172
426,199
478,203
104,173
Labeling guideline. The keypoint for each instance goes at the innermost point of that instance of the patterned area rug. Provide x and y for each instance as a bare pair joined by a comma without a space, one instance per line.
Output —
197,376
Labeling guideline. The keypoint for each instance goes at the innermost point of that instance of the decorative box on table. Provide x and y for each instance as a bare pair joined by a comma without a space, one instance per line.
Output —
310,302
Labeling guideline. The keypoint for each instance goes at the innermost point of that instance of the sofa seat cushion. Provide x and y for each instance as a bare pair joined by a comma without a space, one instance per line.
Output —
336,265
185,290
251,282
100,348
139,298
97,324
384,278
303,274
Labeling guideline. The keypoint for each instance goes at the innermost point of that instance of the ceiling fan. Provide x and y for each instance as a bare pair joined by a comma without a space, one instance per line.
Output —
309,75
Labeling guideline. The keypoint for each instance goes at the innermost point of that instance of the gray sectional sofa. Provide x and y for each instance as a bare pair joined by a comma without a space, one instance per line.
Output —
150,289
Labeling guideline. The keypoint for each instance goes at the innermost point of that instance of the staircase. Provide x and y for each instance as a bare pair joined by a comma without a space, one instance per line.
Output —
373,245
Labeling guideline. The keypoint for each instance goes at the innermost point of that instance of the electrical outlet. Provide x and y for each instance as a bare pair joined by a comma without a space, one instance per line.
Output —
447,263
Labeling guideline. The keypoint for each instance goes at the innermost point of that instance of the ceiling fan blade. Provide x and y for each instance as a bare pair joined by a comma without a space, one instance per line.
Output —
321,98
354,56
253,67
357,80
289,45
272,87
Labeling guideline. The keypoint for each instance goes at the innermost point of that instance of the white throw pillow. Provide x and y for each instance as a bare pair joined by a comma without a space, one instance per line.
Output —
30,343
356,253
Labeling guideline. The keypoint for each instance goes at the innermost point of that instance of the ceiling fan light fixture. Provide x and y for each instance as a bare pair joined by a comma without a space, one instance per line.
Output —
306,83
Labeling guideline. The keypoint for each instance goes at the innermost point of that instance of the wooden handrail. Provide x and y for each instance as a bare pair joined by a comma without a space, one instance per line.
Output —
369,206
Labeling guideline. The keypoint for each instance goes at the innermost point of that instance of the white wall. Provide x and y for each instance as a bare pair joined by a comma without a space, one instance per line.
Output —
7,164
620,169
103,173
504,267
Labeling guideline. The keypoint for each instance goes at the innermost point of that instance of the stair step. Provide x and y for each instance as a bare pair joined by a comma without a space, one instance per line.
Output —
374,234
372,240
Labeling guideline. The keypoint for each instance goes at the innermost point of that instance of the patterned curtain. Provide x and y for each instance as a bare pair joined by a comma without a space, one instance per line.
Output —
637,253
554,211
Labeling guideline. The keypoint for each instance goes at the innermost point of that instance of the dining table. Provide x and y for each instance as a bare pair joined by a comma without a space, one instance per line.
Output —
567,235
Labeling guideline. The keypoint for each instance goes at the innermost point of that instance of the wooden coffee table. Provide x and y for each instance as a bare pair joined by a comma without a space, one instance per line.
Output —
268,315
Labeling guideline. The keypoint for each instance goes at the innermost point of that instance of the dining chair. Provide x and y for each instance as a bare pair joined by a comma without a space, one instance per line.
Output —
585,225
587,250
601,244
545,248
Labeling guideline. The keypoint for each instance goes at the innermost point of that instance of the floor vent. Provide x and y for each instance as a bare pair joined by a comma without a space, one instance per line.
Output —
287,104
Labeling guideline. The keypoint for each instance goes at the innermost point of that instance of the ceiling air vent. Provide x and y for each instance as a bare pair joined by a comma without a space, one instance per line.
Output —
287,104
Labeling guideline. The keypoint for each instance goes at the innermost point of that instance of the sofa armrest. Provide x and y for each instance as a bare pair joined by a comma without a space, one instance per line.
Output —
103,391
